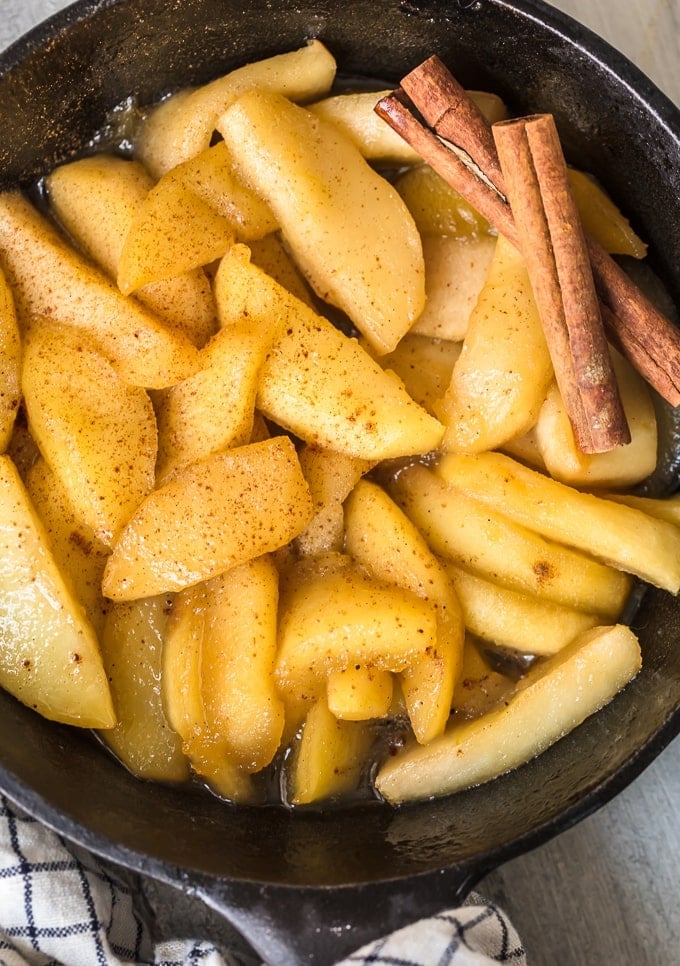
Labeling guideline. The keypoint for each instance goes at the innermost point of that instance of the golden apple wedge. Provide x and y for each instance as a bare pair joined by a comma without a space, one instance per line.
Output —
132,649
182,126
213,515
48,277
553,699
316,382
97,432
49,655
382,538
10,363
481,539
328,202
183,700
96,199
618,535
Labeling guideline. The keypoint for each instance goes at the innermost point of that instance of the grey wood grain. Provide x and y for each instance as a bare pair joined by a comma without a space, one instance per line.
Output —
606,891
646,31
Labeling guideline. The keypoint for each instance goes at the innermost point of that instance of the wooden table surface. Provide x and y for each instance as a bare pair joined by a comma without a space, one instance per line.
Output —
607,891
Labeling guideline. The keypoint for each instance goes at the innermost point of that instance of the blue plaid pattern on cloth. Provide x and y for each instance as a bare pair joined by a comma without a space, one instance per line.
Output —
60,907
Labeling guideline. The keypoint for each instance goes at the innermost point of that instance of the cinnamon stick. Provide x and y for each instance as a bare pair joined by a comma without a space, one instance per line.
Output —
450,111
554,248
646,337
603,411
395,109
650,342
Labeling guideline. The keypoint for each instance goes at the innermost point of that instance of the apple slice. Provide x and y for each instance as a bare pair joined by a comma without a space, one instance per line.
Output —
553,699
382,538
328,201
213,515
330,756
132,647
618,535
10,364
49,278
49,656
97,433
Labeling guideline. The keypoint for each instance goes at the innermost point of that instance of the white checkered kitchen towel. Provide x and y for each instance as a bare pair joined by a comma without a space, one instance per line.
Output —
60,907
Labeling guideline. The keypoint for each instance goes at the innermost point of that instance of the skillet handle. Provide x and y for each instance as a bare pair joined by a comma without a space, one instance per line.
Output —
294,925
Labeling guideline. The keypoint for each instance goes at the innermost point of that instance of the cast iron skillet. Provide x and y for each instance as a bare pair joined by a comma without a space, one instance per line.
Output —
293,882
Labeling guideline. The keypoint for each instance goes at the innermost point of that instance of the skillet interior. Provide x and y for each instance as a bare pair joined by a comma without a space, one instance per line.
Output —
55,90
